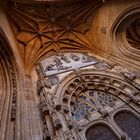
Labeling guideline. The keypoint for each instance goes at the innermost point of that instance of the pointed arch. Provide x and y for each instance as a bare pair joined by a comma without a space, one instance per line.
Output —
10,75
100,132
129,123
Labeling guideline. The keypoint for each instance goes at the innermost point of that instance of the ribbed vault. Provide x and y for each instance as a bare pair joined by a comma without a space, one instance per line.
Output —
48,28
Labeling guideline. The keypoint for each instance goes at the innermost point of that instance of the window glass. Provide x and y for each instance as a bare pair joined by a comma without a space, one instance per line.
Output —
100,132
129,124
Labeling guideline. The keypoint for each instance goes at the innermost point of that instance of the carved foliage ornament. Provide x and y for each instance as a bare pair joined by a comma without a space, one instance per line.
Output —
98,93
85,94
13,84
48,110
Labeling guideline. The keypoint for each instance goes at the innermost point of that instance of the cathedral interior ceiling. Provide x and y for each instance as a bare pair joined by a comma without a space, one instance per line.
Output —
48,28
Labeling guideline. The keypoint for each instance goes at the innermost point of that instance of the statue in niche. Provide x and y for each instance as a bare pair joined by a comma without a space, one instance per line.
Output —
129,75
86,58
74,57
125,72
102,66
50,67
13,112
59,65
64,58
46,135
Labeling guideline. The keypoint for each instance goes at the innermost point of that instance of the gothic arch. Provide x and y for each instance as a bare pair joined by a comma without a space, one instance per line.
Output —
94,80
124,109
85,96
119,31
102,122
127,120
95,131
9,89
83,80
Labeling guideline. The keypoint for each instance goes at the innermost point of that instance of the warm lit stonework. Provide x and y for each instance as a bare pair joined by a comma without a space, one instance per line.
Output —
69,69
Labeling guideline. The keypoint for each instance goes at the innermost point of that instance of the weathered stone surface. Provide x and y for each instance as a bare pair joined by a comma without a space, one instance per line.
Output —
68,68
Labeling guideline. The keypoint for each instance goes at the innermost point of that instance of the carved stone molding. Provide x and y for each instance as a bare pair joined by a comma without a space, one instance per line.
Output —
99,86
84,94
125,43
12,77
48,108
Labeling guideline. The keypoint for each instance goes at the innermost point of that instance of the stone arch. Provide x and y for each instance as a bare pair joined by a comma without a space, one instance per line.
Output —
112,85
127,121
9,89
124,109
94,80
95,131
96,92
101,122
118,32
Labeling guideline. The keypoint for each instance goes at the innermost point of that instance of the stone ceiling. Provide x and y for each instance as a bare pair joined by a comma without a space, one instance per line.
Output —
48,28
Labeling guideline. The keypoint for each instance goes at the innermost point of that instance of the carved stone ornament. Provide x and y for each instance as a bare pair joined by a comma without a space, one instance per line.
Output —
85,94
13,83
102,66
46,135
104,29
87,104
68,135
128,75
43,83
53,80
44,107
62,63
58,123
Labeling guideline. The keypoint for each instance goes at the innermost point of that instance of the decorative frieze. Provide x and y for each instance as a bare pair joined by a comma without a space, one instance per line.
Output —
86,94
44,107
13,81
62,63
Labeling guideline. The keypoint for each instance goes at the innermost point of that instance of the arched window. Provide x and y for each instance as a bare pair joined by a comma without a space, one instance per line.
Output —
92,102
87,97
129,124
100,132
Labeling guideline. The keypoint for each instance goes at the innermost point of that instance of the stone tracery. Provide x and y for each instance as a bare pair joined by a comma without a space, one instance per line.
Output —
87,95
77,93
